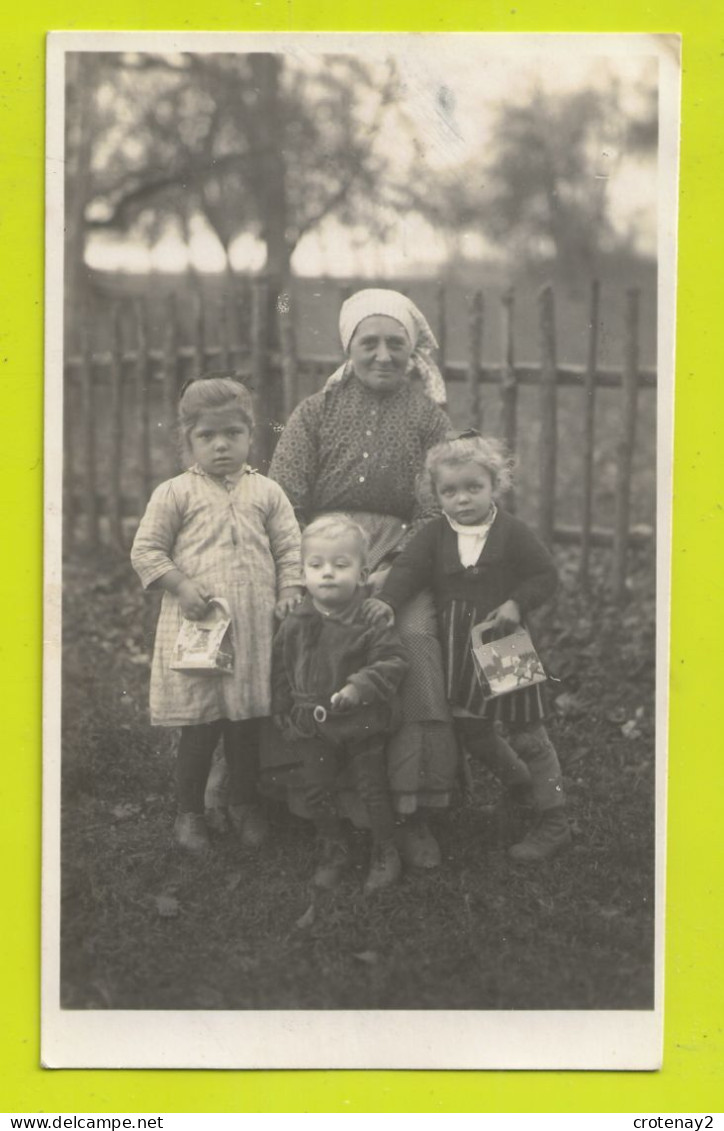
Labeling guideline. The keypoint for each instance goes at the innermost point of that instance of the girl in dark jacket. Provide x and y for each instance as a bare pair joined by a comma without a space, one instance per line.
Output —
483,564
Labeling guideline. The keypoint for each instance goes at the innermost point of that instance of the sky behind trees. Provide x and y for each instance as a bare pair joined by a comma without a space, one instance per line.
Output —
404,175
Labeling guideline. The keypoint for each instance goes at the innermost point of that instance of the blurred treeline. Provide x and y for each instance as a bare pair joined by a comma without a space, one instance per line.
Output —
270,148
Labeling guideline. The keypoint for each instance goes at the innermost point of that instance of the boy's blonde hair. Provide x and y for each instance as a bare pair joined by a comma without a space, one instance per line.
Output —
212,391
488,453
336,526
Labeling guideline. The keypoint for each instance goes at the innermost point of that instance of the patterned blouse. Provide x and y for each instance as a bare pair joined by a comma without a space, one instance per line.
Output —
347,449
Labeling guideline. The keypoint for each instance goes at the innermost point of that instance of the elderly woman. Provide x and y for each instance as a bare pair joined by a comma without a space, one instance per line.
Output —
358,446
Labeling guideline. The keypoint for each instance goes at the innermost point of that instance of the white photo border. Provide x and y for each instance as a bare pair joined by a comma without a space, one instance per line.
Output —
302,1039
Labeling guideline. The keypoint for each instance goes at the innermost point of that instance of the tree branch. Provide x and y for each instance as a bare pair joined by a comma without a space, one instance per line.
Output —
145,192
348,182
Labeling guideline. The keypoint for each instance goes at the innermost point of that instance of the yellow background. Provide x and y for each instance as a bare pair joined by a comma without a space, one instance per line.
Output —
691,1079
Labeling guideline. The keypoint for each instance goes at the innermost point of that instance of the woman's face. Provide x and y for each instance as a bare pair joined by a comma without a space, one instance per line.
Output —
380,351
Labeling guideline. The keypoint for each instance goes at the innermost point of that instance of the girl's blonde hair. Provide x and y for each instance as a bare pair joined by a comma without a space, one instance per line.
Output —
212,391
337,526
470,447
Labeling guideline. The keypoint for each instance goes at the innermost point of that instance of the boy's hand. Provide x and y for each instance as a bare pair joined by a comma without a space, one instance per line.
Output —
373,610
288,598
193,601
346,699
283,723
506,618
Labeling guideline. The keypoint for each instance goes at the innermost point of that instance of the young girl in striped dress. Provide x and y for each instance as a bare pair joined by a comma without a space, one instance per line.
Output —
485,565
218,530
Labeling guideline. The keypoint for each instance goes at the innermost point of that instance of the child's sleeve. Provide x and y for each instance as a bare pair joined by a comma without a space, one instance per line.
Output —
425,509
284,538
281,692
386,667
156,535
412,570
533,570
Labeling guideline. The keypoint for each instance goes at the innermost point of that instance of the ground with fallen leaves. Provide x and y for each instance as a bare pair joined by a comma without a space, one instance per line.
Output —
145,927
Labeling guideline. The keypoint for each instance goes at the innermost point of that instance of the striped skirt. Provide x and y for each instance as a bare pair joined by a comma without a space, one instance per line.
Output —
461,682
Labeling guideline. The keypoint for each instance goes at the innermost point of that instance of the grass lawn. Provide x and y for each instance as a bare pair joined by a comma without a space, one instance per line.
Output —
145,927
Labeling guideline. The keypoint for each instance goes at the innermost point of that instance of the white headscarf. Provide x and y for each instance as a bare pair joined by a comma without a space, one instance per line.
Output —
378,301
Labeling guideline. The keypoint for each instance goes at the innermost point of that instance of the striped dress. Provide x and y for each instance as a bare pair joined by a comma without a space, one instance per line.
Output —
463,687
238,538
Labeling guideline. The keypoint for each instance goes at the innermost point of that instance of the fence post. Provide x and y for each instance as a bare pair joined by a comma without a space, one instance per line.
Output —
243,304
629,396
548,414
288,349
199,332
115,447
509,384
143,377
589,406
171,382
441,327
260,369
475,365
89,435
225,356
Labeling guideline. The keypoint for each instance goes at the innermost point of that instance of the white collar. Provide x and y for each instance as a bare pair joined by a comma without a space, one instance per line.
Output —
234,478
481,528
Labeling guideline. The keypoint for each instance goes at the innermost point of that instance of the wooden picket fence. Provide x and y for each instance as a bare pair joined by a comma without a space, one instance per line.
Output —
96,508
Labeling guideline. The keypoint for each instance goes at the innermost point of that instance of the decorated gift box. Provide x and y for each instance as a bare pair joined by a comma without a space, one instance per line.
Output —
507,664
206,645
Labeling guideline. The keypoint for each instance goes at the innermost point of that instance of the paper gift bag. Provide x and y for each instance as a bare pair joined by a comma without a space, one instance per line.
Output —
206,645
507,664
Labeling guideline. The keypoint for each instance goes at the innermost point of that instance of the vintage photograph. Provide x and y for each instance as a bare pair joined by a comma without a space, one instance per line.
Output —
359,387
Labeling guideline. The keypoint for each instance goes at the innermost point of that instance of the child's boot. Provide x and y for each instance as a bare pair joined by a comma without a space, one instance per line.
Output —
333,863
190,833
418,846
549,834
515,802
250,824
385,867
217,820
512,813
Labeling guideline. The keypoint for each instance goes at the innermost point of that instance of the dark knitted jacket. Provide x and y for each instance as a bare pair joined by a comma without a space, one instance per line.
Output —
514,565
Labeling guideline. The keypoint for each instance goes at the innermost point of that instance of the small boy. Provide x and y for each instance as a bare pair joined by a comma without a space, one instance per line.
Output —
335,677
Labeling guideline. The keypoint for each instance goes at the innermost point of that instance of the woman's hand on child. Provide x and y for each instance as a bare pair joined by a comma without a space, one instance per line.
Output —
377,579
288,598
506,618
346,699
373,610
193,601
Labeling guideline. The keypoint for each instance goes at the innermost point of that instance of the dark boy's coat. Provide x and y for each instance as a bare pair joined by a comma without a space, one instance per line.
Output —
315,655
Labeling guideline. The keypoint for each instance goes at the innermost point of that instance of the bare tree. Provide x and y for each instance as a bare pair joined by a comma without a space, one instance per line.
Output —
251,143
541,190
